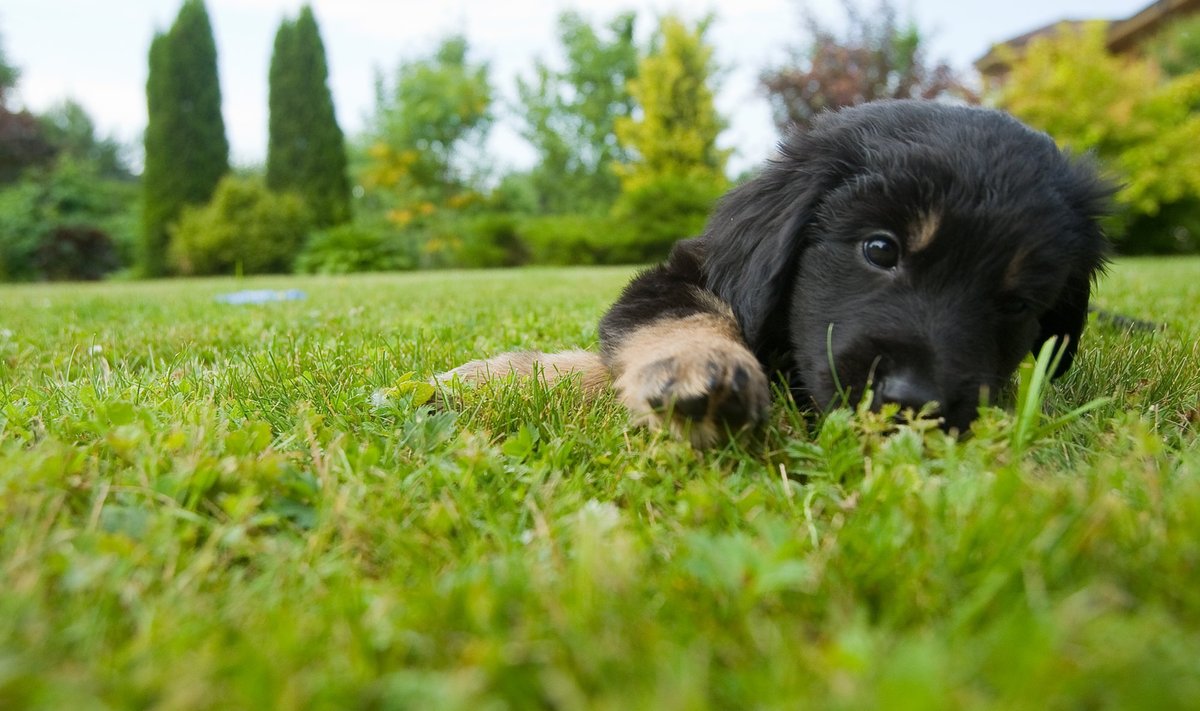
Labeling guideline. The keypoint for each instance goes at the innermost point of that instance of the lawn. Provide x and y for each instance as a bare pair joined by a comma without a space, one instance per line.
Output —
209,505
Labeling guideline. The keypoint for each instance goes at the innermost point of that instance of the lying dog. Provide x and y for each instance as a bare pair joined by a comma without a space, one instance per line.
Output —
912,250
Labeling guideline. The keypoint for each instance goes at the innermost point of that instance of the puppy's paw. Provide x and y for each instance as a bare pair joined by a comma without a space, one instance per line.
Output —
698,390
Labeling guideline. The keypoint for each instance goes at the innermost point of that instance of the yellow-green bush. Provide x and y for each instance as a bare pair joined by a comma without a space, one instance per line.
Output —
244,228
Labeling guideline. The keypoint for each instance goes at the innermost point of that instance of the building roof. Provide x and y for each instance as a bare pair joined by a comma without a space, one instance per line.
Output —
1123,35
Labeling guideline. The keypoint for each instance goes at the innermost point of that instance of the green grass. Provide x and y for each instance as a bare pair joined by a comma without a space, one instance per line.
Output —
215,506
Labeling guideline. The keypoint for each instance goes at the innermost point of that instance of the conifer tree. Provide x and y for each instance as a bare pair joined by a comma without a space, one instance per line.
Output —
306,151
187,152
677,132
677,171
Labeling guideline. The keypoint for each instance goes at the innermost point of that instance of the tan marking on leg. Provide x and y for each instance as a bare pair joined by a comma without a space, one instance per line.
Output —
720,309
923,231
551,367
698,361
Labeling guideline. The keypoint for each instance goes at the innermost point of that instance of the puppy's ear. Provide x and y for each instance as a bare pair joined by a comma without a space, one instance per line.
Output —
755,236
1089,197
1066,319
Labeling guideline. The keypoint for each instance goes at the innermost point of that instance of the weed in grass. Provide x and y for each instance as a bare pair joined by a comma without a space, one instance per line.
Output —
1033,381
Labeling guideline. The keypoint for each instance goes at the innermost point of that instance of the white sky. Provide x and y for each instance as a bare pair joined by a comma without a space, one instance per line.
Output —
95,52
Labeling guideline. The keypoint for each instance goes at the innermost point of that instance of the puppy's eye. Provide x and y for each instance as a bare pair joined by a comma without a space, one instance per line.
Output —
882,250
1016,306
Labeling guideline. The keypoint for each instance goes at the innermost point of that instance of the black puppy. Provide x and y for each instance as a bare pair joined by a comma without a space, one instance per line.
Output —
913,248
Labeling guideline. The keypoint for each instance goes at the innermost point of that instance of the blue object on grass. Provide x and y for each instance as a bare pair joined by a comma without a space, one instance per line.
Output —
261,296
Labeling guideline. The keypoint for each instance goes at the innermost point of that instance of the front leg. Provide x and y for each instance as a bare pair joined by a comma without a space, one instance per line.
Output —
677,354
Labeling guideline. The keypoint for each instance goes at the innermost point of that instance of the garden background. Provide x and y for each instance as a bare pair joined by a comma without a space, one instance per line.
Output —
623,125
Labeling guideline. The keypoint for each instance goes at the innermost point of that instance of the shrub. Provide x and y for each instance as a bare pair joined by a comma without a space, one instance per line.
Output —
492,240
245,227
569,239
652,216
467,240
19,230
354,248
66,222
76,252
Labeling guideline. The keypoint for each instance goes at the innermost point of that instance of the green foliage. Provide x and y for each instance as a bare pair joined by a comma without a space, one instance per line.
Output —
492,240
676,133
23,140
1033,385
160,201
204,505
569,114
572,239
73,133
1144,127
187,152
19,230
875,57
23,144
1177,48
354,247
466,239
656,212
674,141
306,152
245,229
426,120
516,194
415,166
66,222
9,74
481,237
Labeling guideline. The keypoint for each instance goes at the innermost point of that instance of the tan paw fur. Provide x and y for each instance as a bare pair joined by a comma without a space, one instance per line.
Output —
693,376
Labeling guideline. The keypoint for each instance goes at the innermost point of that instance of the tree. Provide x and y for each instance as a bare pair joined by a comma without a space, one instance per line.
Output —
677,131
23,141
1177,49
187,152
876,58
306,151
65,198
23,144
1142,125
9,75
570,114
425,123
73,133
677,170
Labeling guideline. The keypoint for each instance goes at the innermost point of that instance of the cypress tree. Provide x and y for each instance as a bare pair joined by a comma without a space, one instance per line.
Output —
676,135
306,151
156,198
187,152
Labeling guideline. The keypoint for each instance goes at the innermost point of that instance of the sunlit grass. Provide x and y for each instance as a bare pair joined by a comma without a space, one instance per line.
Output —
206,505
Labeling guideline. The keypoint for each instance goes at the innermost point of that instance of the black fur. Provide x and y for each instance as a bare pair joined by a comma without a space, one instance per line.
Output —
1010,264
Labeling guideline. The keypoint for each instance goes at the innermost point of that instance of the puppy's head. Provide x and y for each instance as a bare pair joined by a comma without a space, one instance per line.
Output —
915,248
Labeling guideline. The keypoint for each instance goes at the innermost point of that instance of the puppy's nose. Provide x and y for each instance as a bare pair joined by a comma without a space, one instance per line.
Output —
908,390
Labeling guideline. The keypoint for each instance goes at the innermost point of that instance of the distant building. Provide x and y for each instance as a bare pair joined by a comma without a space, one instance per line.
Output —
1124,36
